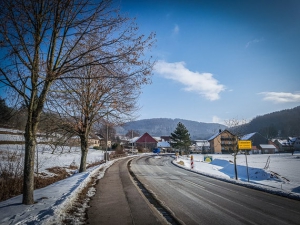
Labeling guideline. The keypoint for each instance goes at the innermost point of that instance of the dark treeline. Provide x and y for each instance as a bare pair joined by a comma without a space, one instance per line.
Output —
283,124
12,117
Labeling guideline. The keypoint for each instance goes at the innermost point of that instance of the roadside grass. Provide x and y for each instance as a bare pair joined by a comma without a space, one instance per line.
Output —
11,173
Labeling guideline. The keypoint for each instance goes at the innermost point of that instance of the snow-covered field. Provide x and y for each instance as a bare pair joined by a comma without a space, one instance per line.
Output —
280,175
63,156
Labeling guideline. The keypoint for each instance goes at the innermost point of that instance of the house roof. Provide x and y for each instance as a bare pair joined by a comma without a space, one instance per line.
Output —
146,138
217,134
94,136
99,136
247,136
288,142
281,141
267,146
202,143
157,138
165,138
214,136
163,144
133,140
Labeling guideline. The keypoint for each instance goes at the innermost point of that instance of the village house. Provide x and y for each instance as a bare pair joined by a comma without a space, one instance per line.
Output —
201,146
145,142
223,142
290,144
93,141
267,148
164,146
256,139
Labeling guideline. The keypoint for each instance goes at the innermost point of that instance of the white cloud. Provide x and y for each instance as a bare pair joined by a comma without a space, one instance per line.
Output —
281,97
202,83
176,29
254,41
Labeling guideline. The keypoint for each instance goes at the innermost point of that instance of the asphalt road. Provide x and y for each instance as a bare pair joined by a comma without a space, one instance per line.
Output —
196,199
118,201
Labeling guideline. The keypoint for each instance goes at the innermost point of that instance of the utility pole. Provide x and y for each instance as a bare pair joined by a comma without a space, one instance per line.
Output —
131,142
106,139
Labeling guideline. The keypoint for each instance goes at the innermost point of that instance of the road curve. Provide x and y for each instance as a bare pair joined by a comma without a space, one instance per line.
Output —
197,199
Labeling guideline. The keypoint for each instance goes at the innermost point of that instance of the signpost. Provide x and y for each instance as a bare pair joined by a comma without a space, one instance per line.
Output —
245,145
207,159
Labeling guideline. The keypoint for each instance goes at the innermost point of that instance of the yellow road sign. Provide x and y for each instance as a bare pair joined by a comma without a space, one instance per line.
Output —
245,145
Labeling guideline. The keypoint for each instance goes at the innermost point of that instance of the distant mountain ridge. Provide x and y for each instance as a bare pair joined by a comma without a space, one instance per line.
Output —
282,123
165,126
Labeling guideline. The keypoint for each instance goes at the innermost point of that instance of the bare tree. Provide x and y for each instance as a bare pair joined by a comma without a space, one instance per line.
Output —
236,128
41,42
99,93
132,133
106,130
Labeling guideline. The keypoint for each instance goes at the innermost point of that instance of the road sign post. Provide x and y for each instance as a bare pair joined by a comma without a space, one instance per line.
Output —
192,162
245,145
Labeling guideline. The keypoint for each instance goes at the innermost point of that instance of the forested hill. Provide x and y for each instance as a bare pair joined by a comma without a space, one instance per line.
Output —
281,123
164,127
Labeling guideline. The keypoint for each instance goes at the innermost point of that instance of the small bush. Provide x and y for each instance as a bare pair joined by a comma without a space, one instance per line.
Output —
11,174
181,163
43,180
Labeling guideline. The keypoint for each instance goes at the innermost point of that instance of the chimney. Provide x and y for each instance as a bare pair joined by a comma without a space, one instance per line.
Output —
220,130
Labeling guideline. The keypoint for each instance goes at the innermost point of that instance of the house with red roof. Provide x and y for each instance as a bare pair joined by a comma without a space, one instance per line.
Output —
146,141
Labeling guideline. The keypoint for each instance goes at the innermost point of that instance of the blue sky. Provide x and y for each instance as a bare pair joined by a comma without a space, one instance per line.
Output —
219,60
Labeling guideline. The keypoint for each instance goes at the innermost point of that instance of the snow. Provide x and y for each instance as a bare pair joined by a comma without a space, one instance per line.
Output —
11,130
280,176
63,156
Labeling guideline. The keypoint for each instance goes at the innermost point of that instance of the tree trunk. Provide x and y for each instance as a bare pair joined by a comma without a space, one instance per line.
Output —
34,113
235,167
28,178
84,151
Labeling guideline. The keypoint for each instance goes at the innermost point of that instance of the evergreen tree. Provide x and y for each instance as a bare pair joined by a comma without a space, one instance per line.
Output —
181,138
4,111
